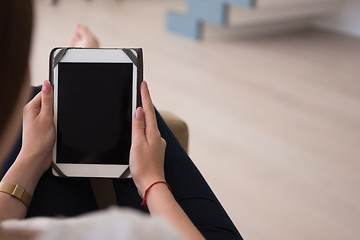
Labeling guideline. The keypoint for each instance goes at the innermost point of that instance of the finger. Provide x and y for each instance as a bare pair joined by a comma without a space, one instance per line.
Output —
34,106
149,110
47,99
138,126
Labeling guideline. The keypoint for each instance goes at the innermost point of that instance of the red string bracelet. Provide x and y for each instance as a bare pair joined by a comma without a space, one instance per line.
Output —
147,190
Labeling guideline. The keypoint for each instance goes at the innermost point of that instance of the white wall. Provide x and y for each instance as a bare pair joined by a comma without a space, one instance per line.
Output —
345,20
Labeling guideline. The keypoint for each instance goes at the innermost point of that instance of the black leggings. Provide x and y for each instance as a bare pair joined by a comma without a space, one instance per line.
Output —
56,196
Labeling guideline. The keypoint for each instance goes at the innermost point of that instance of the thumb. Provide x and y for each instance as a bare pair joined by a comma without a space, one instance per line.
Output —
138,125
47,98
33,108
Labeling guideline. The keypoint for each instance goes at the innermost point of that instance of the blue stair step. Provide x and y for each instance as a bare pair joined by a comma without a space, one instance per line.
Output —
199,11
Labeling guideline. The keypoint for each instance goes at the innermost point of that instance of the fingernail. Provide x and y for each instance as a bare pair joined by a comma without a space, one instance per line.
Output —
46,88
146,87
139,113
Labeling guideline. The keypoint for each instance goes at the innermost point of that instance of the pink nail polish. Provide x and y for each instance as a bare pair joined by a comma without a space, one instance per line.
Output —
46,88
139,113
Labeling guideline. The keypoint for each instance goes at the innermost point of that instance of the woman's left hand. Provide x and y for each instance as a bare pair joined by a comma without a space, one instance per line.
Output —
36,153
39,128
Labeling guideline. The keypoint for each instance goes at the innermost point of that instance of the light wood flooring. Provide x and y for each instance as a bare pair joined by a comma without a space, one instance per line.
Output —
274,120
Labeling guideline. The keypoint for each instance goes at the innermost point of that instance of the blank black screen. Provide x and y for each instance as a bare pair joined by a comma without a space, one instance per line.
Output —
94,113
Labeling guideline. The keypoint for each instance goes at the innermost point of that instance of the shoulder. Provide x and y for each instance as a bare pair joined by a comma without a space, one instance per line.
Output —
113,223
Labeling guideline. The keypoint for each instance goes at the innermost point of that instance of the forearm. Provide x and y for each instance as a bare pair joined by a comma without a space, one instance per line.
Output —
161,202
25,174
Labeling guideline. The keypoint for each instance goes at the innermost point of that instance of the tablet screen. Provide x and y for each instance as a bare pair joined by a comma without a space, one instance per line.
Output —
94,113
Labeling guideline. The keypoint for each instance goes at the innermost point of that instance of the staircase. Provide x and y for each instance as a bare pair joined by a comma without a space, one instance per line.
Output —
189,22
188,19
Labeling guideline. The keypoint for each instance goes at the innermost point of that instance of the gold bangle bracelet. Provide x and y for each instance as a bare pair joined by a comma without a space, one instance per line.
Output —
17,192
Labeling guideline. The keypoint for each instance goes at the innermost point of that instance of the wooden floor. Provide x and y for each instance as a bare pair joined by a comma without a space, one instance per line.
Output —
274,120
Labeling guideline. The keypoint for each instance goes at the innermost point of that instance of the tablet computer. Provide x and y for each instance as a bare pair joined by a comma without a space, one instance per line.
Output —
96,93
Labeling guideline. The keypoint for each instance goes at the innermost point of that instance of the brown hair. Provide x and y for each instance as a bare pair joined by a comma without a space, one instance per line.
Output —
15,40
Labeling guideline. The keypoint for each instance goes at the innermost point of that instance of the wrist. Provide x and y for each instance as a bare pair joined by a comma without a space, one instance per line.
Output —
40,162
31,154
160,187
146,183
155,187
157,195
29,164
24,174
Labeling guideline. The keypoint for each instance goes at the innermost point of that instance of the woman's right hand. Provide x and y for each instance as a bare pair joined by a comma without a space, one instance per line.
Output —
148,147
147,166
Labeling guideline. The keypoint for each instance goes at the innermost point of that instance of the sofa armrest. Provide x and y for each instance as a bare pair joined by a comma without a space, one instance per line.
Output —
178,127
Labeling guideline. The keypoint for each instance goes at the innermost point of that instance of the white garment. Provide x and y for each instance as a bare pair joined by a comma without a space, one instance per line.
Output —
113,223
